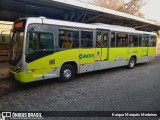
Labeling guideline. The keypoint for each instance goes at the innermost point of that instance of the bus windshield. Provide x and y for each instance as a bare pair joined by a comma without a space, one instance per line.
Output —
16,46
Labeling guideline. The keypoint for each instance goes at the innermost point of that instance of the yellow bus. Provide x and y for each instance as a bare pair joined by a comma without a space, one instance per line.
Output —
44,48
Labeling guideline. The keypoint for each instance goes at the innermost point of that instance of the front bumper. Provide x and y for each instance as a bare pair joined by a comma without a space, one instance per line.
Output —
21,76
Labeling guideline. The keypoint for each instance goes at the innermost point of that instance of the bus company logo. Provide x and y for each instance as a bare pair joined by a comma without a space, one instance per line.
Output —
18,115
81,56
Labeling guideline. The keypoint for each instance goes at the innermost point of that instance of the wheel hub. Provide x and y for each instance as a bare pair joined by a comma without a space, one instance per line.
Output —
132,63
67,73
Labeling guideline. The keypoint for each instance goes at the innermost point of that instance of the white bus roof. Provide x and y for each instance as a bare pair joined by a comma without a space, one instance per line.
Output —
85,26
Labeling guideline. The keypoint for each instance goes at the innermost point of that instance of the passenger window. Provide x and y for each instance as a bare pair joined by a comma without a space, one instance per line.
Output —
68,38
102,39
40,41
140,40
113,44
99,39
121,39
133,40
86,39
152,41
105,39
145,40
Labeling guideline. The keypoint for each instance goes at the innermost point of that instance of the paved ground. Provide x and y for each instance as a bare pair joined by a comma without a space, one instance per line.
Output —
4,74
117,89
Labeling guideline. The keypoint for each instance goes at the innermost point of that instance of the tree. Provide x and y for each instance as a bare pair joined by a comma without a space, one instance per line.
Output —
131,6
110,4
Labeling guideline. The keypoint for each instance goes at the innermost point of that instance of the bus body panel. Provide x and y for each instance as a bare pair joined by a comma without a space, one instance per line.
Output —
86,56
133,51
41,74
86,59
104,54
44,69
151,51
97,56
118,54
144,51
20,76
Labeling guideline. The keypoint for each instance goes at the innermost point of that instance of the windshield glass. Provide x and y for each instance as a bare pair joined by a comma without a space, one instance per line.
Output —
16,45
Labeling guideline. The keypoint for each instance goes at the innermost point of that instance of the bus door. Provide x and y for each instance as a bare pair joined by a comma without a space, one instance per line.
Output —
105,45
101,51
98,50
145,42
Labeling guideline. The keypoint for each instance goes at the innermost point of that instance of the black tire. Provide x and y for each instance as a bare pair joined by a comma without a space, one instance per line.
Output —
132,63
67,73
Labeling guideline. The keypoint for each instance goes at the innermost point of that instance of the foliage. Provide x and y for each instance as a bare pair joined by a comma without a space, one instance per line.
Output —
132,7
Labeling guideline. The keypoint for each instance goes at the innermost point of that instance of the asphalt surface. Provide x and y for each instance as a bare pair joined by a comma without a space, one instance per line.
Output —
116,89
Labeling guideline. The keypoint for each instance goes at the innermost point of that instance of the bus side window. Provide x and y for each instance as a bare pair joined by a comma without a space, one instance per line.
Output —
152,41
45,41
99,38
133,40
86,39
155,41
121,39
68,38
145,40
113,44
40,41
140,40
33,42
105,39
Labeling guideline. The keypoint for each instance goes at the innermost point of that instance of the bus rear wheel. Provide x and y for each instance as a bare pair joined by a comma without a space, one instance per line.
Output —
67,73
132,63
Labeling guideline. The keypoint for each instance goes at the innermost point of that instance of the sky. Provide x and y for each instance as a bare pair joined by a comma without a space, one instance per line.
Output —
152,9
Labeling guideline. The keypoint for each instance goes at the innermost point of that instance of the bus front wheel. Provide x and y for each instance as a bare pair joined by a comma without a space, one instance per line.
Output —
132,63
67,73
